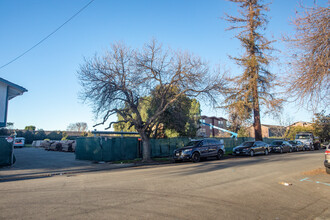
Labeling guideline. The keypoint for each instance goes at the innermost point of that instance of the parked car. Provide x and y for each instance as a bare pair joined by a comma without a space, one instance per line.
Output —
324,145
19,142
327,159
281,146
297,145
196,150
251,148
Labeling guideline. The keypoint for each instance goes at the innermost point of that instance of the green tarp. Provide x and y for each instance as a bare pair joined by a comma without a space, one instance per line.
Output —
6,152
107,149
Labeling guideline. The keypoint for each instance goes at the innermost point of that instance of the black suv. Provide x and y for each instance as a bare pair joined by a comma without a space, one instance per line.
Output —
197,149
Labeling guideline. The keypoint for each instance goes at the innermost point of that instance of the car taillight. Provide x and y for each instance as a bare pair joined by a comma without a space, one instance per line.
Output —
327,152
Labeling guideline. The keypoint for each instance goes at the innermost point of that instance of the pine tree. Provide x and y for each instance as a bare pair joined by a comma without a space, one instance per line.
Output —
252,88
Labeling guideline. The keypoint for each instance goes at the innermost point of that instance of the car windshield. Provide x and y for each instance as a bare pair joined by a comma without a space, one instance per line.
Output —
193,143
276,142
302,136
247,144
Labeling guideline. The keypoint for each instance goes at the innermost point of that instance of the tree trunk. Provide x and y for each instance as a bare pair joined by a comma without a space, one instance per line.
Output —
256,115
146,147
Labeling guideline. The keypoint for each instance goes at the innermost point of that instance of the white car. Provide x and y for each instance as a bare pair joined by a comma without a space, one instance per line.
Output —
19,142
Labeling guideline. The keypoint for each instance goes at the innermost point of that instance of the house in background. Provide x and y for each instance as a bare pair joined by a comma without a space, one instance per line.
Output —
8,90
301,124
207,131
268,131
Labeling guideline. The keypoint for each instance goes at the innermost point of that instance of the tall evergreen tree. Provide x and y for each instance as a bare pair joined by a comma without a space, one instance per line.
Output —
252,88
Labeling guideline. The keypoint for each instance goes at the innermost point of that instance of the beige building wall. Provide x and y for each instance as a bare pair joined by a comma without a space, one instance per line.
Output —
264,131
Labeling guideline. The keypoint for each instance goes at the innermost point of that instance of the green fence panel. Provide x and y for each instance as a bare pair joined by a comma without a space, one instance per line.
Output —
125,148
165,147
6,152
88,148
131,149
106,148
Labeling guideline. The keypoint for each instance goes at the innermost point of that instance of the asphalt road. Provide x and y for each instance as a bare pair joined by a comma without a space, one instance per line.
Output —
235,188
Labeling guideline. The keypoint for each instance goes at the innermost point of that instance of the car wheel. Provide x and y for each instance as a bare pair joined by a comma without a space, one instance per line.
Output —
290,150
327,169
220,154
251,153
281,151
196,157
177,161
312,147
266,152
303,149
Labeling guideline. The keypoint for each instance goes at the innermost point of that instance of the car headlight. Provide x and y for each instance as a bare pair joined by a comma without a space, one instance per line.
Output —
187,151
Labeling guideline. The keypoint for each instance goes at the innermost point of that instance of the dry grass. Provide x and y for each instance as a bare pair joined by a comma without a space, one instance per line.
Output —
314,172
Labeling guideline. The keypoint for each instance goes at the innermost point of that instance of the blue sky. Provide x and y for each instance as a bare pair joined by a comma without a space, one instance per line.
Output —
49,71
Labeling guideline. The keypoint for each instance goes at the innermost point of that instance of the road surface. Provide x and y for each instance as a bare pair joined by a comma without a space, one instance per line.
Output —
234,188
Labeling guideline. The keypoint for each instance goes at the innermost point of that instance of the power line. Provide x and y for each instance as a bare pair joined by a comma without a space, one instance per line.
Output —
45,38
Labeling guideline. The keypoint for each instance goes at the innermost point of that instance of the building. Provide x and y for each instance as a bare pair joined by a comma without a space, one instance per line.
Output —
8,90
268,131
300,124
207,131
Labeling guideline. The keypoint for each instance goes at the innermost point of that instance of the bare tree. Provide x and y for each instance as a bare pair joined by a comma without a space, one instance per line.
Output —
78,126
309,81
252,88
118,82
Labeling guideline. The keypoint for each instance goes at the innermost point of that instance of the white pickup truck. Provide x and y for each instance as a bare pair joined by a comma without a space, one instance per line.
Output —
308,139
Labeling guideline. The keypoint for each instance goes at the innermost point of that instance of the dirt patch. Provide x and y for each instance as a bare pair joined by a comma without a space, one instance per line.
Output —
314,172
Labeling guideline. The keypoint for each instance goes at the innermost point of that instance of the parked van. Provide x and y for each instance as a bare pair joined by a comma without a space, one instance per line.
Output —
19,142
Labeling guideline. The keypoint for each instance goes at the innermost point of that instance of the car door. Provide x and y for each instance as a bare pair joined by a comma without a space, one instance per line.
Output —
286,146
264,146
261,146
256,147
204,148
213,147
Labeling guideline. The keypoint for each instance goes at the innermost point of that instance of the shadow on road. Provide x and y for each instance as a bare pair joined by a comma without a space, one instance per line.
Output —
189,168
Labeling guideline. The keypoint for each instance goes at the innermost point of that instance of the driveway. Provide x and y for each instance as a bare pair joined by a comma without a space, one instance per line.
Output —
37,162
